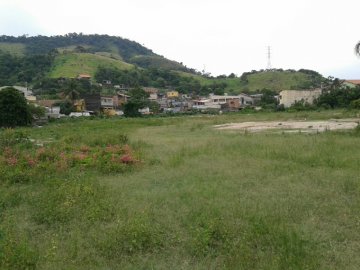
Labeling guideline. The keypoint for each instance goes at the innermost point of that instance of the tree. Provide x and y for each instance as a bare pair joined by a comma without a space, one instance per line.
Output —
138,100
357,49
14,110
70,91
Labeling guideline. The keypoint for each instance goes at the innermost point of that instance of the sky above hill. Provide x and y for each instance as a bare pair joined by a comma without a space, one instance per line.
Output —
220,36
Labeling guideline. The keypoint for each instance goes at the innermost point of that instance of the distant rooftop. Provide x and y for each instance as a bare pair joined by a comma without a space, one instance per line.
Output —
353,81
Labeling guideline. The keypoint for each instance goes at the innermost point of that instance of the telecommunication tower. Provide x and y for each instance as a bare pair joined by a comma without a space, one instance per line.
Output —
269,58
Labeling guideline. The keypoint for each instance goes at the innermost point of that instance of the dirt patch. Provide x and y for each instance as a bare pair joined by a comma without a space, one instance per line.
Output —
292,126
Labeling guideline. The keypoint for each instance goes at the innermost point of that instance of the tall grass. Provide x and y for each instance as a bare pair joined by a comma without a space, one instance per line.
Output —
199,198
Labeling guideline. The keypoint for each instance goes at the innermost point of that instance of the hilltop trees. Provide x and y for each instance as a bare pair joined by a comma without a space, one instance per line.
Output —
14,110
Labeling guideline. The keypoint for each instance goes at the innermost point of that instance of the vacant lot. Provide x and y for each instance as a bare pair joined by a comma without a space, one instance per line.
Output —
292,126
175,193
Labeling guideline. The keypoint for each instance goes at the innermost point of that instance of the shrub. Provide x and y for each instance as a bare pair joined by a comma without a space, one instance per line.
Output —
14,110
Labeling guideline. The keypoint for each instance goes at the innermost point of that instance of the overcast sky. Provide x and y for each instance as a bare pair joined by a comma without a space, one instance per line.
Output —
224,36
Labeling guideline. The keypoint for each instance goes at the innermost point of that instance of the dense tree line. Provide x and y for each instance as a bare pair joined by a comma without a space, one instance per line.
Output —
152,77
159,78
339,97
44,44
15,69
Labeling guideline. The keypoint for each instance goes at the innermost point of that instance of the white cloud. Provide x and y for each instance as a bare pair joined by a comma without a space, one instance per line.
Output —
226,36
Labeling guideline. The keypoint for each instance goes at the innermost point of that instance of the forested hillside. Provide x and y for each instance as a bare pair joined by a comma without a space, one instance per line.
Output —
40,60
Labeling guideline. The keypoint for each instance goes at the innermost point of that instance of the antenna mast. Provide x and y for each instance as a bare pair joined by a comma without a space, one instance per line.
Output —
269,58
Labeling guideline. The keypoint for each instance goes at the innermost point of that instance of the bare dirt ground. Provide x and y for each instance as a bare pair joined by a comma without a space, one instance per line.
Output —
292,126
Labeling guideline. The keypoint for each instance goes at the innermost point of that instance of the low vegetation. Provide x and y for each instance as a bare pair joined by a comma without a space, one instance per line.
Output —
174,193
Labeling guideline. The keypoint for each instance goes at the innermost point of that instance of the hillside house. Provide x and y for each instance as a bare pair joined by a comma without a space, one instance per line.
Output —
107,102
290,97
52,110
122,98
92,102
79,105
84,77
172,94
351,83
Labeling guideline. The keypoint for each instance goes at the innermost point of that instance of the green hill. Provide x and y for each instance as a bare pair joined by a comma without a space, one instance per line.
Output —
31,59
276,80
72,64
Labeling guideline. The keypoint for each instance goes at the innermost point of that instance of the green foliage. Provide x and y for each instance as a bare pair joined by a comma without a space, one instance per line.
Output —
65,201
12,137
66,107
137,235
14,110
199,198
355,104
155,77
36,111
131,108
14,69
15,252
338,97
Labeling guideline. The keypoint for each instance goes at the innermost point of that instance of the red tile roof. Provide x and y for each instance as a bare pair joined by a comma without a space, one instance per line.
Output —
353,81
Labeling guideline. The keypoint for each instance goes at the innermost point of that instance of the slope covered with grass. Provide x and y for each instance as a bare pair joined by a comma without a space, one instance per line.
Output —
273,80
73,64
17,49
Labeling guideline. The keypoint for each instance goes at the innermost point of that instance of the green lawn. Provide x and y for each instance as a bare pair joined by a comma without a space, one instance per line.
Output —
73,64
196,198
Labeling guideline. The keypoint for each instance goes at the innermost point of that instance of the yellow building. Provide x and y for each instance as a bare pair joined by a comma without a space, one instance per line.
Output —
79,105
172,94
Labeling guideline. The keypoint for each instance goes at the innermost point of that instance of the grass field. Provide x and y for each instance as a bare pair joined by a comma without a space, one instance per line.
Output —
17,49
72,64
194,197
273,80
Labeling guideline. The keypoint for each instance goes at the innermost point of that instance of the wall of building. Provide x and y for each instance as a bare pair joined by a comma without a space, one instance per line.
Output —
289,97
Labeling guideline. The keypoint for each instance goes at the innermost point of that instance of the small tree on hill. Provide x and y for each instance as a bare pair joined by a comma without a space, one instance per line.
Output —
14,110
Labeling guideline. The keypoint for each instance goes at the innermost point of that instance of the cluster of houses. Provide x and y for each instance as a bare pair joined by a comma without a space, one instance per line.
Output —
168,101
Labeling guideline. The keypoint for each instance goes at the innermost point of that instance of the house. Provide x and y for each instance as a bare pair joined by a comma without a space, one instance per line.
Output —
151,90
106,82
121,87
172,94
122,99
79,105
84,77
351,83
204,104
92,102
289,97
107,102
226,102
144,111
243,100
51,106
28,94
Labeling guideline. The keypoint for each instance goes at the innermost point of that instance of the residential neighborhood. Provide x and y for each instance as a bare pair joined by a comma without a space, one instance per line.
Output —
166,100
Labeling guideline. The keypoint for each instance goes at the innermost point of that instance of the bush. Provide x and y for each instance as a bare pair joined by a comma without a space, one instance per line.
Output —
14,110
